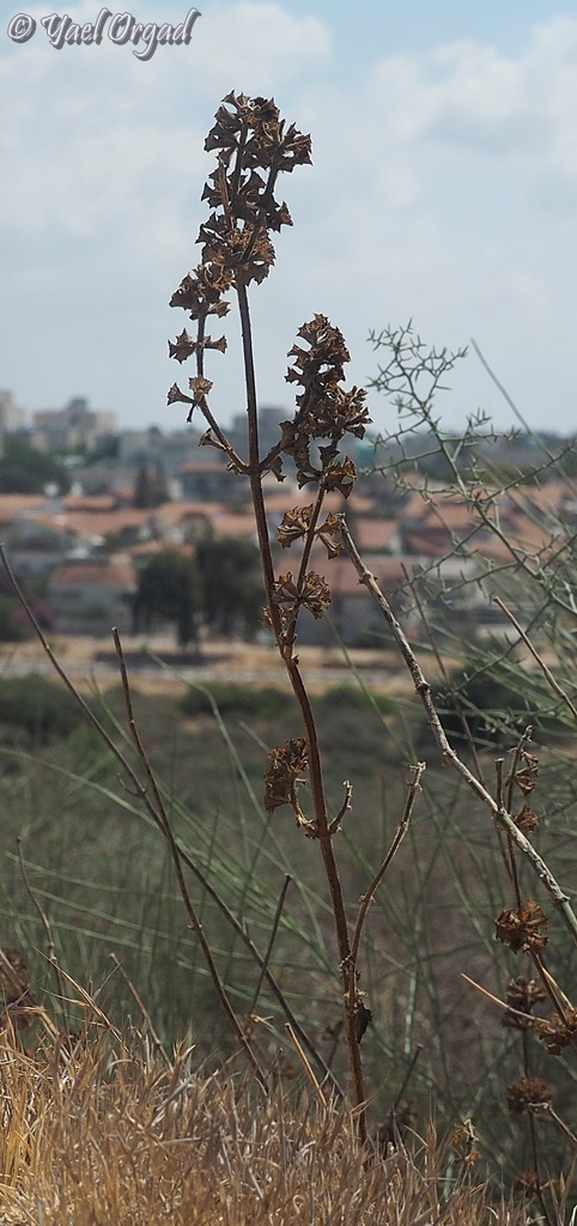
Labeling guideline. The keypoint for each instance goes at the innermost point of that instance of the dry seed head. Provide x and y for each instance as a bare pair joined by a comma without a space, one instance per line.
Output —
313,594
525,820
527,773
521,930
522,995
529,1094
558,1033
287,764
294,525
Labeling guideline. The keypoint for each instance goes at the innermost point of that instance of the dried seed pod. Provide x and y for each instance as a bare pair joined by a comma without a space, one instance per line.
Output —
529,1094
521,930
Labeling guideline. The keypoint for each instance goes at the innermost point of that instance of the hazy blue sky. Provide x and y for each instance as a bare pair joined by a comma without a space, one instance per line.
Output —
444,189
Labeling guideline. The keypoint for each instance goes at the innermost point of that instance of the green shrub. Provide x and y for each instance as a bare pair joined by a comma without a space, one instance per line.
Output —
12,626
45,711
497,709
264,702
350,698
270,702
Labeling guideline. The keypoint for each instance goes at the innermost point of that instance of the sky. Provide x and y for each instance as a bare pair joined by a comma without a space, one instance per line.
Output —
443,190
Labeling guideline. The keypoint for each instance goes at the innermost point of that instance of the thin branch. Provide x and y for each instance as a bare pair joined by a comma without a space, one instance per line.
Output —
558,689
269,948
141,793
423,690
414,787
177,861
51,946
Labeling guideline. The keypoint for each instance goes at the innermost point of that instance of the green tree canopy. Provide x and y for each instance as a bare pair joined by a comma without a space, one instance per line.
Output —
150,489
232,583
169,590
24,470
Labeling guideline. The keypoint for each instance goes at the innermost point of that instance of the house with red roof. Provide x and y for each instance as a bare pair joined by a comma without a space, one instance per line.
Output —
90,595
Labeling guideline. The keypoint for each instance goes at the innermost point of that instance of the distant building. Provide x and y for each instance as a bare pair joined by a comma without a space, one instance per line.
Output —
269,428
12,417
152,447
73,426
91,595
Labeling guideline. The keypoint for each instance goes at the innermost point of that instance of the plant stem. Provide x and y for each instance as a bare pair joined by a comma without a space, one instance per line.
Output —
169,836
347,967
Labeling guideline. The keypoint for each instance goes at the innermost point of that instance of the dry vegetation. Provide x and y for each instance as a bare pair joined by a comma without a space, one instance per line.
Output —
104,1133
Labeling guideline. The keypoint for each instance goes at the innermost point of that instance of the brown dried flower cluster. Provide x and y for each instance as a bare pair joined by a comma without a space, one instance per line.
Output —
527,773
297,522
253,145
558,1033
312,593
287,766
529,1094
325,410
526,820
521,930
522,996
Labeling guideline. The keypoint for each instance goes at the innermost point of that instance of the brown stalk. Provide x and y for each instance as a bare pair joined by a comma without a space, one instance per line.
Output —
324,836
414,785
177,862
269,948
51,946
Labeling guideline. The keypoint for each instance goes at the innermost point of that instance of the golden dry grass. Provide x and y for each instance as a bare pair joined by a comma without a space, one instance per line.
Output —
108,1136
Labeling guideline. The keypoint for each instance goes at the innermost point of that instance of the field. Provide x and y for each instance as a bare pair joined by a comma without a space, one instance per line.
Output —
91,881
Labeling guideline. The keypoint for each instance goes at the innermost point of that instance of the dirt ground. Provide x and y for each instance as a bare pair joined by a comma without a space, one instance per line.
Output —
87,660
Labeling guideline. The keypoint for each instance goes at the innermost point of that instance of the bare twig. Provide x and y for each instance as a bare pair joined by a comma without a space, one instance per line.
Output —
177,862
51,946
414,787
558,689
423,690
141,792
269,948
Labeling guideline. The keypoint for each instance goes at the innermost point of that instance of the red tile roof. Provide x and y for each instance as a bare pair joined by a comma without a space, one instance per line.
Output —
118,572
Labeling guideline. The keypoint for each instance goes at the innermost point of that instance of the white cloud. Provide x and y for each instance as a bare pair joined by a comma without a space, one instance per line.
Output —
443,188
258,48
90,132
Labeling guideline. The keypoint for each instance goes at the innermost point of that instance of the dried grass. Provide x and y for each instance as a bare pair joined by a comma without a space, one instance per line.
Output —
105,1136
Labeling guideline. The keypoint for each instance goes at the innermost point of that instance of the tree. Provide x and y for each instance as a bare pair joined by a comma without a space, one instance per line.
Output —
150,489
232,583
169,590
24,470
